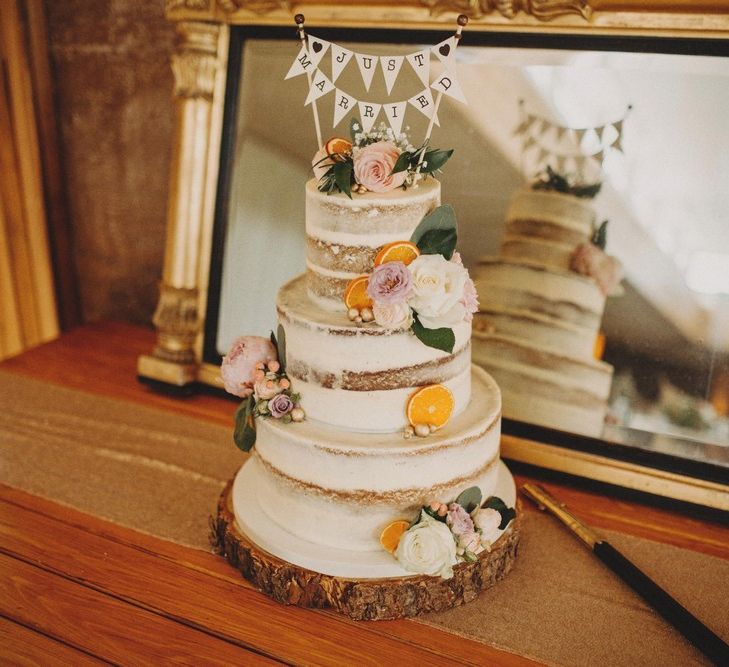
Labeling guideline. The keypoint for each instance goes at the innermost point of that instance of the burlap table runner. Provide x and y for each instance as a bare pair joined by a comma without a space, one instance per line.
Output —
162,474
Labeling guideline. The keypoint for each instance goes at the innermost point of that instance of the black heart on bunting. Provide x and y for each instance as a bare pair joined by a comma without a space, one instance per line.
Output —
316,46
445,50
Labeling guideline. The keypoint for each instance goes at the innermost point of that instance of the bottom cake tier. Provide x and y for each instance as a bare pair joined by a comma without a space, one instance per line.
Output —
541,387
252,522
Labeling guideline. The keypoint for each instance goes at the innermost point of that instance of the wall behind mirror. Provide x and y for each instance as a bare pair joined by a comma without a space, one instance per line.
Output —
665,195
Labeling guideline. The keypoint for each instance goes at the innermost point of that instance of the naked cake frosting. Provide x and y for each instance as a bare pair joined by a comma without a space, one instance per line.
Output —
375,442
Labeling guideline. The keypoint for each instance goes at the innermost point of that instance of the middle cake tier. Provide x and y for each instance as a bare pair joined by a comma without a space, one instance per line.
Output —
359,377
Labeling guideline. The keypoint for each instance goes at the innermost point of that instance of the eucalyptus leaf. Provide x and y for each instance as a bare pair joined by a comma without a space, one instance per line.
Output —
443,217
281,347
507,513
434,159
470,499
244,434
438,242
403,162
343,177
440,339
599,238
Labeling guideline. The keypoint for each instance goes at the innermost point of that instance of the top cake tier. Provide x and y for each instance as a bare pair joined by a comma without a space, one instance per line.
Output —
544,228
343,235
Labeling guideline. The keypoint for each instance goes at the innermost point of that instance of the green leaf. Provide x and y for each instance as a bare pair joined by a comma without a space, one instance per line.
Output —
441,218
403,162
599,238
586,191
470,557
441,339
343,177
352,130
244,434
470,499
438,242
507,513
281,348
434,159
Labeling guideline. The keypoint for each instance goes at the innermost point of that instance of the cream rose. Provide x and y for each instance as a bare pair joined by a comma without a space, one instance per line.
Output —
392,315
487,520
267,388
428,548
438,288
373,167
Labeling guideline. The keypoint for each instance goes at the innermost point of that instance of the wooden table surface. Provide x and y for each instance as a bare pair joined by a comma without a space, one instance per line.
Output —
78,590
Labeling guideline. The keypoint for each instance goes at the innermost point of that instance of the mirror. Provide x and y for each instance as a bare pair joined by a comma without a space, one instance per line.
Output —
665,196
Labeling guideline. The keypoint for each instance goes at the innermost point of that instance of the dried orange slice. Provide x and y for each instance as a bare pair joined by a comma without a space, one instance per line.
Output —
355,296
397,251
337,146
390,537
431,405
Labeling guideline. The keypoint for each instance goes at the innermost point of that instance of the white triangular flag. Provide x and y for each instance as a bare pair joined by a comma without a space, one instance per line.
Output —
447,84
579,134
420,62
340,58
599,131
423,102
368,112
317,49
446,50
618,125
391,68
302,64
343,104
320,86
395,112
367,65
618,143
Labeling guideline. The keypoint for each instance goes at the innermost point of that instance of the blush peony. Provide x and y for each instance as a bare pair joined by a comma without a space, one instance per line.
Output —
459,520
427,548
373,167
438,288
239,365
606,271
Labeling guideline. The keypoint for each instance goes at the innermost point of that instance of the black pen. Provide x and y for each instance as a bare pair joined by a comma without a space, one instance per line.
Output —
713,646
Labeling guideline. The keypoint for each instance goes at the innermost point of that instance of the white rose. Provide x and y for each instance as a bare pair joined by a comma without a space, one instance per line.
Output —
470,542
438,287
264,391
427,548
487,521
392,315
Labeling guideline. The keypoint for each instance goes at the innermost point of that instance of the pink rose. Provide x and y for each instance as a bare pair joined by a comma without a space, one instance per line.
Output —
373,166
321,163
589,260
390,282
459,520
470,299
239,365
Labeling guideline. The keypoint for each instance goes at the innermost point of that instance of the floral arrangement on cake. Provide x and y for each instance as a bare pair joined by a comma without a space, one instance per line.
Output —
254,370
376,161
446,534
420,284
550,180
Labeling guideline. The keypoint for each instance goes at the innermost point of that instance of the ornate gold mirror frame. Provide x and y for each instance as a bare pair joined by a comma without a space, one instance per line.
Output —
200,63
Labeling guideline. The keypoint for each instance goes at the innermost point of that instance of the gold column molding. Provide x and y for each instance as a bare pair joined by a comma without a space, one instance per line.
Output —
542,10
199,66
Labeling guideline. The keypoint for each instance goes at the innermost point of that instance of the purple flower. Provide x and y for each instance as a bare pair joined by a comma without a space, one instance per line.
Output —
280,405
390,282
459,520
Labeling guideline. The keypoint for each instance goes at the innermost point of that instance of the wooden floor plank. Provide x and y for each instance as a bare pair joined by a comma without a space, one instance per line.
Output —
226,609
23,647
114,630
442,643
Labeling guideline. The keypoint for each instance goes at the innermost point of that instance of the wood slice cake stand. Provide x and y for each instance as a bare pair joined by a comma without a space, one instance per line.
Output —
360,599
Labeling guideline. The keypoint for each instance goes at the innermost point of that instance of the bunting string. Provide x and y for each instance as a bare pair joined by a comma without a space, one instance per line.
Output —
314,49
566,149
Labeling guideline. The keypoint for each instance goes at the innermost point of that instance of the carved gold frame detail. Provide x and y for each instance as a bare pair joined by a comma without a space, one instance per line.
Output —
199,63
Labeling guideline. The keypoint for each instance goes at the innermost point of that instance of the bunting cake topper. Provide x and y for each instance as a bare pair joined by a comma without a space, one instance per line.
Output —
314,49
565,144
